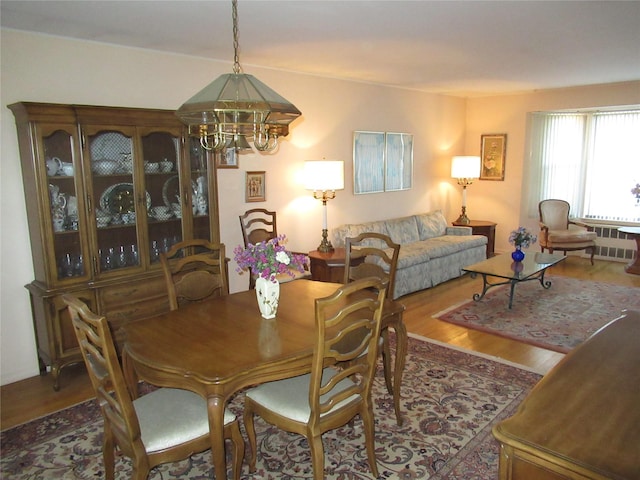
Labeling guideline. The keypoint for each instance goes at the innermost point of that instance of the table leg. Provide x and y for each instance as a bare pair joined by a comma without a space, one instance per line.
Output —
401,353
215,406
512,288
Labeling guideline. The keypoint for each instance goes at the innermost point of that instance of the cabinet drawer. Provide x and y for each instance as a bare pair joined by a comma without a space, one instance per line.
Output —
113,296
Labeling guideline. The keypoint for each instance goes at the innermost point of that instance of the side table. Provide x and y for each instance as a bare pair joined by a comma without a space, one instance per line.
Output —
328,267
634,265
482,227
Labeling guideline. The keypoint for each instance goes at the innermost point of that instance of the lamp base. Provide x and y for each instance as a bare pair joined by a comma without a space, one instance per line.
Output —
325,245
463,219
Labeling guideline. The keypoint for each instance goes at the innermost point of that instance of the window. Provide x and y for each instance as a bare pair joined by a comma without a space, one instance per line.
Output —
590,159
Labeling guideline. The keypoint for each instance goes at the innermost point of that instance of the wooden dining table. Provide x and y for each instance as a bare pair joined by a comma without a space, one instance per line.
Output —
218,347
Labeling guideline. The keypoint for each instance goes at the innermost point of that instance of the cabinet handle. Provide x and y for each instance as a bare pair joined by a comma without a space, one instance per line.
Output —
95,265
89,203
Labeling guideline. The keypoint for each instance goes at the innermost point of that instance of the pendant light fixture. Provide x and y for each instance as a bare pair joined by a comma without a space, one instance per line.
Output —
237,108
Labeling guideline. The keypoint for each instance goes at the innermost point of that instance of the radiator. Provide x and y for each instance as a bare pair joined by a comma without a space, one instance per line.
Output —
613,245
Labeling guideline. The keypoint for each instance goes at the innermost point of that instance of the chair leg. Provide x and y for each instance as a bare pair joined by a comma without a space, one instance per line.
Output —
369,437
593,252
108,453
251,434
386,359
238,448
317,456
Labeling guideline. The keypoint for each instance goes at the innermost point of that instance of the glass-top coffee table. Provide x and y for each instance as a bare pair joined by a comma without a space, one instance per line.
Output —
503,267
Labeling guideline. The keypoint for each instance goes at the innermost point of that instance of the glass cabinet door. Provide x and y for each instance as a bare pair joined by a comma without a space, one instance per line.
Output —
201,194
63,175
117,201
160,151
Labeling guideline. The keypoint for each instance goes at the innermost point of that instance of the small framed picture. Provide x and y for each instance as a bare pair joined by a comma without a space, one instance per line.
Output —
255,187
493,150
227,158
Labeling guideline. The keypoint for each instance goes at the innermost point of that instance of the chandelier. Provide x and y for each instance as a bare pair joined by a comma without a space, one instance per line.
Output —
237,108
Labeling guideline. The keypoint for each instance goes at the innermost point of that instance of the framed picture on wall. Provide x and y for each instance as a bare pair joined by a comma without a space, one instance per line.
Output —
227,158
382,162
255,187
493,148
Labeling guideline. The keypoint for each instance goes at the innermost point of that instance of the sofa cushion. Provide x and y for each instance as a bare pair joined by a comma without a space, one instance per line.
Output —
413,254
403,230
354,229
449,244
432,224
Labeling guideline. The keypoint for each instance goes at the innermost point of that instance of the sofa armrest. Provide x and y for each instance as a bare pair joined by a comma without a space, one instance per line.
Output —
464,231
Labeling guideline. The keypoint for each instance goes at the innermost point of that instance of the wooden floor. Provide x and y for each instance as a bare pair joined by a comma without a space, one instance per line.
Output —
34,397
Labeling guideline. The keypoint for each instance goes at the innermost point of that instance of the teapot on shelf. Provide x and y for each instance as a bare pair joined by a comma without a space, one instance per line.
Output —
54,165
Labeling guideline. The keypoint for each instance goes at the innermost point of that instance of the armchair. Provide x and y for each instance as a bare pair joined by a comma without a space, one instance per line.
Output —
559,232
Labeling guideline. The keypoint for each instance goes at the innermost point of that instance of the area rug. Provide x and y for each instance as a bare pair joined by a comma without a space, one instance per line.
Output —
450,400
558,319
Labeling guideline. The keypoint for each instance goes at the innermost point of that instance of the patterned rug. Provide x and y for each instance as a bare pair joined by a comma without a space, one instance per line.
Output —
558,319
450,400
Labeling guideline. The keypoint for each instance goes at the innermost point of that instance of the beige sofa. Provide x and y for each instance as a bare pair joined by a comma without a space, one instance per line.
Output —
431,252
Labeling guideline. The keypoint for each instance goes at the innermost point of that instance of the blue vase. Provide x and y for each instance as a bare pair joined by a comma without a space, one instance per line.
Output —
517,255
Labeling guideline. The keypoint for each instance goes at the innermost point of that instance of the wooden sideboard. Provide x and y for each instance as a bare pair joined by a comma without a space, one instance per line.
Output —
582,420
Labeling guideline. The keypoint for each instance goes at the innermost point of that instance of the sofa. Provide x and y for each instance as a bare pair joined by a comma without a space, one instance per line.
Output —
431,252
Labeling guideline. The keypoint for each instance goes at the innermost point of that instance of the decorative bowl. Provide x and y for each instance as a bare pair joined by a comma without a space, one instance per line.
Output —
104,167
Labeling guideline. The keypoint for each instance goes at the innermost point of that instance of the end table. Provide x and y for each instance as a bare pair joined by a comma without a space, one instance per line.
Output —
482,227
328,267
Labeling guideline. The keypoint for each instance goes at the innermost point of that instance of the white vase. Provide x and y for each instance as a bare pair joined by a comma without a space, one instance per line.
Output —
268,294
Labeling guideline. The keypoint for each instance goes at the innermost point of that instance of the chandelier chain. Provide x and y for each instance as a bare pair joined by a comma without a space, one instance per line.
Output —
234,16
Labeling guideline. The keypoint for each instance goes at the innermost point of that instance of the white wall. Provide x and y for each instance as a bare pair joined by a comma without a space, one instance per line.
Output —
501,202
49,69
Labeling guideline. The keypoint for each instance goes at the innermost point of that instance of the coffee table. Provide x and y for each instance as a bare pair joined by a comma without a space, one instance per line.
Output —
532,267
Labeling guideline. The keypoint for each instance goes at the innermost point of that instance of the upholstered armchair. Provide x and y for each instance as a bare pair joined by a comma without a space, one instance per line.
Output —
559,232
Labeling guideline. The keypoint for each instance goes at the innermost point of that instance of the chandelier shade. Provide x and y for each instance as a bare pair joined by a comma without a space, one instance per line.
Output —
237,105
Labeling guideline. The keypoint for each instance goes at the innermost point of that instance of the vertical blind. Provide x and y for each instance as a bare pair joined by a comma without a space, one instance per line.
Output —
590,159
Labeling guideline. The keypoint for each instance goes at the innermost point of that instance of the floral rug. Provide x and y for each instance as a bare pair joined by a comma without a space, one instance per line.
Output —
558,319
450,400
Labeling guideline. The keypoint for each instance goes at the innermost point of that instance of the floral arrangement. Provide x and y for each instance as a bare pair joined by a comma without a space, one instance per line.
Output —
522,238
267,259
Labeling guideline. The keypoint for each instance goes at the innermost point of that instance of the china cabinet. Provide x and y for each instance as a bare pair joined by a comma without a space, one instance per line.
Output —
107,190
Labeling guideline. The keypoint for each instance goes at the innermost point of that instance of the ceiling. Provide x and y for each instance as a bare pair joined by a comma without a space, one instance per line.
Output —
462,48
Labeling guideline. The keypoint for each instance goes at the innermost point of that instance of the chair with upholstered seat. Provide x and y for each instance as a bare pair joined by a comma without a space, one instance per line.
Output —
195,270
375,254
166,425
260,225
347,327
559,232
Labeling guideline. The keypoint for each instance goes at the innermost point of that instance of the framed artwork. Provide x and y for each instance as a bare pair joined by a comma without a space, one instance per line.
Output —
398,161
255,187
368,162
227,158
382,161
493,148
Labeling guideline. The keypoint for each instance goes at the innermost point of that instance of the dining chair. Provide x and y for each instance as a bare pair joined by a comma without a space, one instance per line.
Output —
260,225
347,327
559,232
375,254
195,270
166,425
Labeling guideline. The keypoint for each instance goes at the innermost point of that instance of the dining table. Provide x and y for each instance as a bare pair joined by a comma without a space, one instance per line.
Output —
218,347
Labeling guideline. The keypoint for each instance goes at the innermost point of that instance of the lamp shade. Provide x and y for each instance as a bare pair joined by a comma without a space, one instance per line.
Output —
465,167
322,175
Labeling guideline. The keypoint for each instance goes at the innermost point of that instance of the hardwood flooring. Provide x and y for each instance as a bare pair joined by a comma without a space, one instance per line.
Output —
34,397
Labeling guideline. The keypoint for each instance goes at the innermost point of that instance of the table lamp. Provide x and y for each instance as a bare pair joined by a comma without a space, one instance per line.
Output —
465,169
324,177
